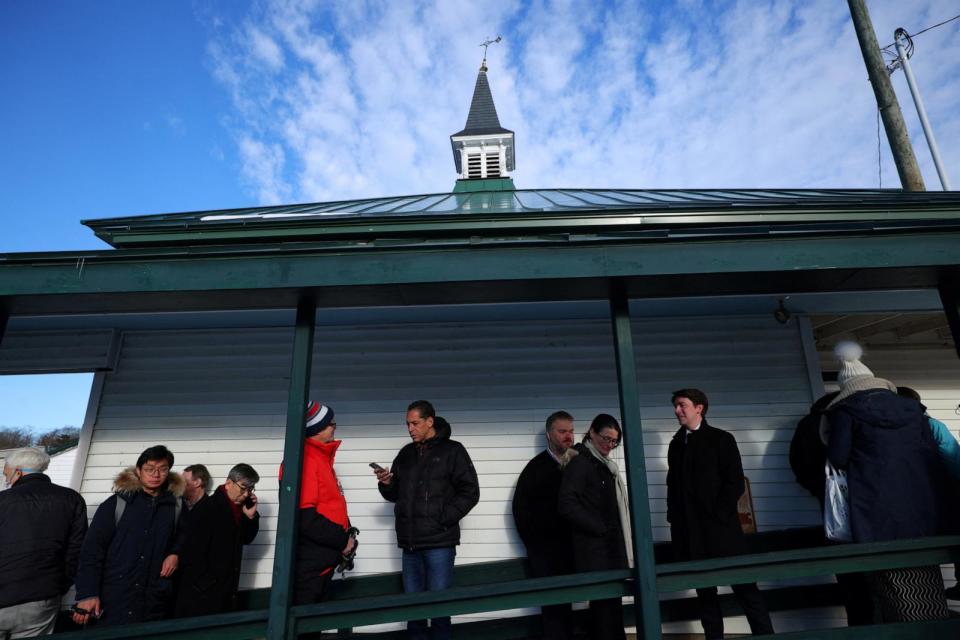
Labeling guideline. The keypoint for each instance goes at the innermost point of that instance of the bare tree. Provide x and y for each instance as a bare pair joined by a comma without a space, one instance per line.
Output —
59,438
15,437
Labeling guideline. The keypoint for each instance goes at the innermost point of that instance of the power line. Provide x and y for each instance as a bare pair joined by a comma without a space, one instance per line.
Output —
939,24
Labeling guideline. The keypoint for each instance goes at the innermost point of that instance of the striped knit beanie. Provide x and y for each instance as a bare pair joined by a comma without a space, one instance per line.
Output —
319,416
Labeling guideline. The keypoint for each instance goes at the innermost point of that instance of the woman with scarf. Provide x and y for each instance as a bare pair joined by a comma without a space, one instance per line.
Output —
593,499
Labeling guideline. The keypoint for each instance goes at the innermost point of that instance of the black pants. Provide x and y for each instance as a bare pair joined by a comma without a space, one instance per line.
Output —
857,598
557,618
313,588
606,620
749,597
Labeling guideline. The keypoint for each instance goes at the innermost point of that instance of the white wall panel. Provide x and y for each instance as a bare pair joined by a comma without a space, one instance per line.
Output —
219,397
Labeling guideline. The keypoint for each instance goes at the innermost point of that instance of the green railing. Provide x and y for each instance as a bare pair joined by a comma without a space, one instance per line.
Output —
503,585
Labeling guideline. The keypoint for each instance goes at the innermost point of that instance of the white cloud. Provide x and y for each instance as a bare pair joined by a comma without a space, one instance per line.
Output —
341,100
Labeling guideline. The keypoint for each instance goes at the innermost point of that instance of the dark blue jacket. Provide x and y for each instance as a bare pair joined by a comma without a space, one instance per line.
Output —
120,561
895,477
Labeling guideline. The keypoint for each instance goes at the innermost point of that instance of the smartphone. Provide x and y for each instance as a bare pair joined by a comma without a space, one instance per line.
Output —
375,466
248,503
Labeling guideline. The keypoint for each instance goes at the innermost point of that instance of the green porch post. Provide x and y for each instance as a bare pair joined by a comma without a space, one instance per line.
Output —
949,289
280,625
646,602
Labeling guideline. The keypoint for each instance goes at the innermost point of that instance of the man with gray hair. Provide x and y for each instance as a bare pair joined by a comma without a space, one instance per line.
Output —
41,530
212,553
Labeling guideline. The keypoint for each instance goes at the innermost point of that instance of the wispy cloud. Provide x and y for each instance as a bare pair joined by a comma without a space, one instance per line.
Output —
339,100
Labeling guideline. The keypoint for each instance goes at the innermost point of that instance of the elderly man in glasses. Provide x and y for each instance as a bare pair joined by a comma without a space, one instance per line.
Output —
213,551
130,552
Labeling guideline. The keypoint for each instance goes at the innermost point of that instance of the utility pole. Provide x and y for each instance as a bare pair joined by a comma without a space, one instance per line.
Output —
903,156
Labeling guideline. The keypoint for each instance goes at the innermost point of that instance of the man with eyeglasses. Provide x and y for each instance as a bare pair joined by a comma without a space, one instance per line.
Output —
544,533
212,553
130,552
704,483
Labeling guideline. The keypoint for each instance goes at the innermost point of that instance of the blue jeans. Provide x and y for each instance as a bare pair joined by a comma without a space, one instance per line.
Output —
428,570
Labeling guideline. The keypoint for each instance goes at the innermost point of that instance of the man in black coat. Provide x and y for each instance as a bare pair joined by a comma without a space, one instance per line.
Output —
544,533
704,483
41,529
433,485
210,559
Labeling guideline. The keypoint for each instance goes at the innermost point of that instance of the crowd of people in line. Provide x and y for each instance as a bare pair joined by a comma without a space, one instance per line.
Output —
161,547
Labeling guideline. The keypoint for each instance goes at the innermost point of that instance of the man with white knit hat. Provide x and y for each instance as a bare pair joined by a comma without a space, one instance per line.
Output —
895,481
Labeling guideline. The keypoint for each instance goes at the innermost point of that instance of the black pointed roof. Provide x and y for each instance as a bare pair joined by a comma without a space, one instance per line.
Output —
482,119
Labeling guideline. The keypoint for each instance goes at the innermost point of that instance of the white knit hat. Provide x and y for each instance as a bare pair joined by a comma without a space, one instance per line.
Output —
849,354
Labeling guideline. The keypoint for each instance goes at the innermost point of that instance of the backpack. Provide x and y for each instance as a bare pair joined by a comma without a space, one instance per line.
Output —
122,505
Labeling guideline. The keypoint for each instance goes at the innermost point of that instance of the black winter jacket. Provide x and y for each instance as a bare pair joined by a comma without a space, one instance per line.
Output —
535,507
894,472
209,573
434,486
588,501
120,562
41,529
704,483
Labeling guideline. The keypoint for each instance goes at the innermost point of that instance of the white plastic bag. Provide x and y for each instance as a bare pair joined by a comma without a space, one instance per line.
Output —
836,506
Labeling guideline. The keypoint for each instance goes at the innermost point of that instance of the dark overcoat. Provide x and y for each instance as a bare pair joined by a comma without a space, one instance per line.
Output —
894,472
588,501
434,486
120,562
209,571
704,483
535,512
41,529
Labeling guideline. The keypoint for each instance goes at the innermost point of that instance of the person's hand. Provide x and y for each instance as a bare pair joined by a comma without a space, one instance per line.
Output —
351,543
170,564
383,475
91,606
252,509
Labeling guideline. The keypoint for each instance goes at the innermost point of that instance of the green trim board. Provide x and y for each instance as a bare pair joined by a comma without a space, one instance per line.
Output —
196,271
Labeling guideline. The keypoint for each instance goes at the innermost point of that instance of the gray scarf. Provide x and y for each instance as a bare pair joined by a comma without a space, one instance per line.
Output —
622,506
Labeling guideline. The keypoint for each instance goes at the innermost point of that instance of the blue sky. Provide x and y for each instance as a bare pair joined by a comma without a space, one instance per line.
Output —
117,108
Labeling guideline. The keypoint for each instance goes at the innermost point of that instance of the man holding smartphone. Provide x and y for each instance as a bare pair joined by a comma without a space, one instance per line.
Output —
433,485
212,552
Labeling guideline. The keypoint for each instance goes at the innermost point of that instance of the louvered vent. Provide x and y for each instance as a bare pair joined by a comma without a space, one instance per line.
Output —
493,165
474,165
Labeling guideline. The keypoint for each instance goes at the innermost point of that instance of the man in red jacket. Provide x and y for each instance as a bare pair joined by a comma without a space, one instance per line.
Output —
324,524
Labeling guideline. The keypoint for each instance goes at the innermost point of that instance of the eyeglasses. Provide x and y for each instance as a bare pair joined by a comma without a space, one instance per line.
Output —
155,471
613,443
246,488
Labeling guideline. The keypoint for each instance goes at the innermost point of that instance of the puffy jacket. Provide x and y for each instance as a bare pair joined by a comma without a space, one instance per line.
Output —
323,515
434,486
588,501
120,561
894,473
41,530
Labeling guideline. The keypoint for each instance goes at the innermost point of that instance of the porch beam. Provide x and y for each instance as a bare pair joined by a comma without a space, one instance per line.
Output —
646,603
949,288
281,625
241,269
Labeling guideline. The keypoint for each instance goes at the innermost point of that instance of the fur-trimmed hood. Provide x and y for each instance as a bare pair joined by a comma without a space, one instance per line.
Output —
127,482
567,456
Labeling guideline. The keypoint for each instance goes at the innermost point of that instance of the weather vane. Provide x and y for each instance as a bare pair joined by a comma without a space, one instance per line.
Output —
486,44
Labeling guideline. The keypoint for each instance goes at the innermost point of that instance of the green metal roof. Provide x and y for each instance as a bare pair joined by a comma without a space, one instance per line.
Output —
524,211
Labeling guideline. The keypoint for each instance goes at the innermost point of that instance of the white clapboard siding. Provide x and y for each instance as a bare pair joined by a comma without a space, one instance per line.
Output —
61,466
219,397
